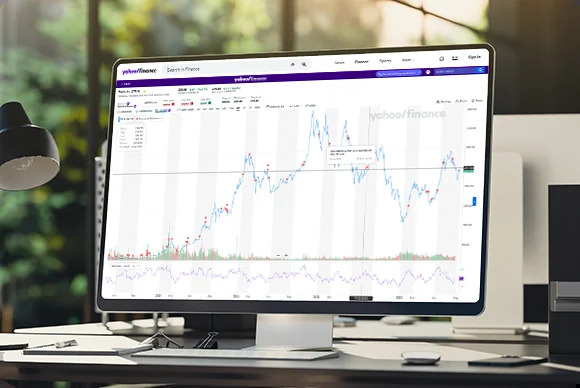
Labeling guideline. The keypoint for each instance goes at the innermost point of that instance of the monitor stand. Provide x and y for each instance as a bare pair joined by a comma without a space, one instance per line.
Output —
278,337
293,332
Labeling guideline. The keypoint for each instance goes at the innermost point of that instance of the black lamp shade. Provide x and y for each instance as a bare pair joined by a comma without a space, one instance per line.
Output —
28,154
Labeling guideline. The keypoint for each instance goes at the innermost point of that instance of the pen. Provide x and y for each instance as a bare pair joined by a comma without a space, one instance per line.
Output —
58,345
64,344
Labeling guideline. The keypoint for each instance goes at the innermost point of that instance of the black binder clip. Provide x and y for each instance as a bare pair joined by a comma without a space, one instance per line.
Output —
208,342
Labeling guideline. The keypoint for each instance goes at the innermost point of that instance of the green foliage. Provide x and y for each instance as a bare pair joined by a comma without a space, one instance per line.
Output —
42,232
337,24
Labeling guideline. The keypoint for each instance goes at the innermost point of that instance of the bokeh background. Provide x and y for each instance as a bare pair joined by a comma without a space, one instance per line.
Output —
46,264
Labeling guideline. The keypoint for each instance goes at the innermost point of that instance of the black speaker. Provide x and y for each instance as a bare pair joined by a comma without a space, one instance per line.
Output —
564,271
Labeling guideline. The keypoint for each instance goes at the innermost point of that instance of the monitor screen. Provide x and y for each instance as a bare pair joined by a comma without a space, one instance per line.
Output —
332,182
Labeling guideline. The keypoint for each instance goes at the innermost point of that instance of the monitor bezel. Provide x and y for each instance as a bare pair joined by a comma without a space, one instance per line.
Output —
303,307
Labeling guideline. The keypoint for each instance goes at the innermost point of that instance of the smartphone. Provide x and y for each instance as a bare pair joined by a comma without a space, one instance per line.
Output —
508,361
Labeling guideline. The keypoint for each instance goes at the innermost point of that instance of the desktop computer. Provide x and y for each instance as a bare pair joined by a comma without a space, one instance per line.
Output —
299,185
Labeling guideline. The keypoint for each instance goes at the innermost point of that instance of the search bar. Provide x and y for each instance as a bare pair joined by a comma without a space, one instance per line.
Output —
399,73
217,67
461,70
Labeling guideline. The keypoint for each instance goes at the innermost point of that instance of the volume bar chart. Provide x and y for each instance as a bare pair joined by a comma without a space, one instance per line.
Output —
171,253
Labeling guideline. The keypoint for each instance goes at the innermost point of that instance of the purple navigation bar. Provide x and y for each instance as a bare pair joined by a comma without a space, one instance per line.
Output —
292,77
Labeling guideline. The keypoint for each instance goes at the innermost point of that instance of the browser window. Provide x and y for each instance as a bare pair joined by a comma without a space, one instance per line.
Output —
308,178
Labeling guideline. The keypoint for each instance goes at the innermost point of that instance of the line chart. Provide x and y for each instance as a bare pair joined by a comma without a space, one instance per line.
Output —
302,272
261,179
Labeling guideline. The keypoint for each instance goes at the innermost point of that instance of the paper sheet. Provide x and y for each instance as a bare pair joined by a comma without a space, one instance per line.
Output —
100,329
85,342
86,328
373,329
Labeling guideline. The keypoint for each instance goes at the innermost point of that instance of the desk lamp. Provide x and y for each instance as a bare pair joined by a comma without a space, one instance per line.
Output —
28,154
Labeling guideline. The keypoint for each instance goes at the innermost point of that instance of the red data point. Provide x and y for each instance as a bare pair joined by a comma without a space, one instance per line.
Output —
286,179
199,235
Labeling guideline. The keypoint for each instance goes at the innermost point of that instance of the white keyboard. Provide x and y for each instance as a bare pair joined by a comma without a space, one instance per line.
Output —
238,354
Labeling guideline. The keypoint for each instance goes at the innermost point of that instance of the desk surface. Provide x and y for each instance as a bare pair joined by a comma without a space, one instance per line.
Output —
439,331
362,363
347,370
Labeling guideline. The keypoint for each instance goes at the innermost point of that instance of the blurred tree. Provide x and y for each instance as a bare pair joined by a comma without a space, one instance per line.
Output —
41,251
42,234
334,24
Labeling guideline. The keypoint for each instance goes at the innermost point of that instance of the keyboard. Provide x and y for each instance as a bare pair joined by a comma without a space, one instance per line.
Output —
237,354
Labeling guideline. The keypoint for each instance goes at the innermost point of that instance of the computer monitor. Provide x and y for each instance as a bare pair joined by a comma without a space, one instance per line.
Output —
327,182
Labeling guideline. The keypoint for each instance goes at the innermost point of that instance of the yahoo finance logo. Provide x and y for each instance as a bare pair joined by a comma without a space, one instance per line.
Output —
410,113
250,78
139,71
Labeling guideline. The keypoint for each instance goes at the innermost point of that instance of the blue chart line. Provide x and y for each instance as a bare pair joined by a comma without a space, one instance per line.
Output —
302,273
318,139
320,133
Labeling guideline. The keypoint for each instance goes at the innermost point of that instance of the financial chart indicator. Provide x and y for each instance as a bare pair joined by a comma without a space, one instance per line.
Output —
302,273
